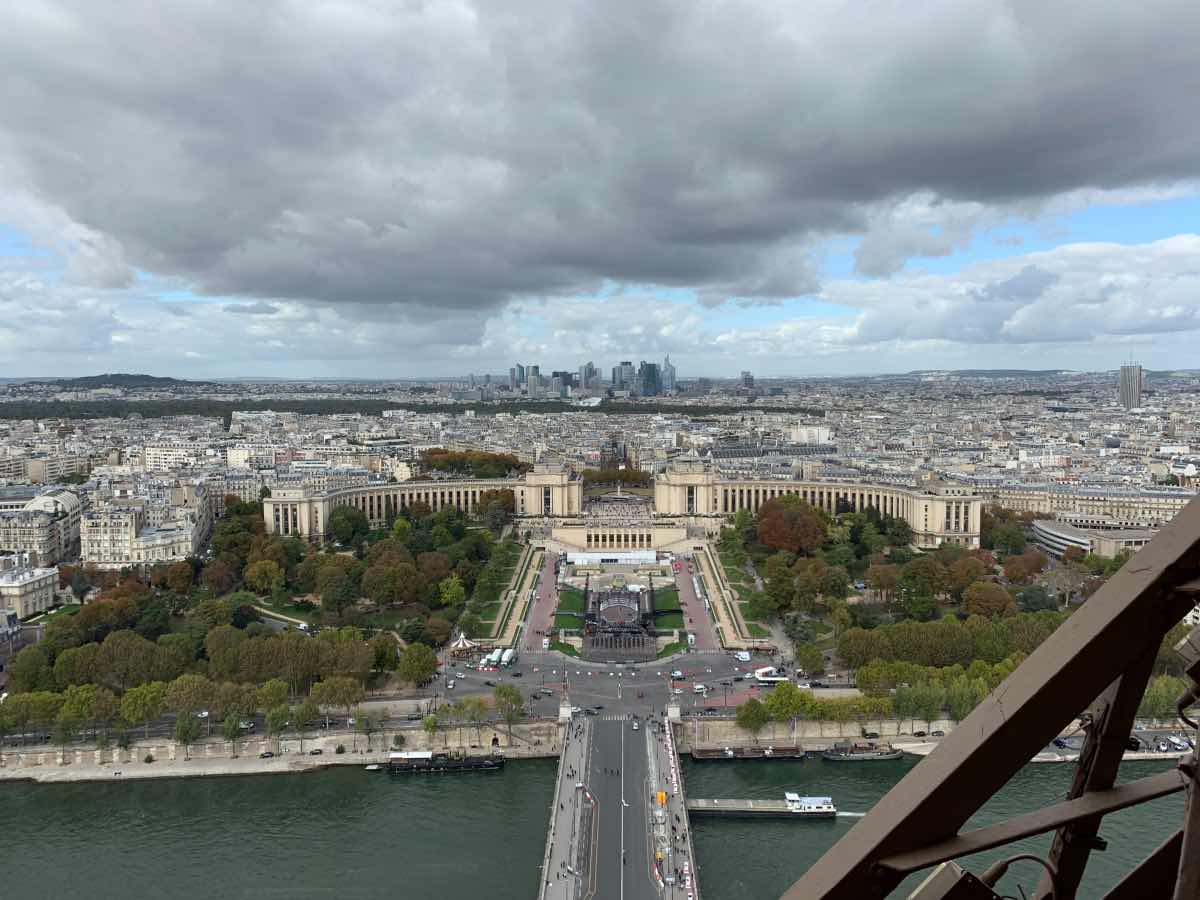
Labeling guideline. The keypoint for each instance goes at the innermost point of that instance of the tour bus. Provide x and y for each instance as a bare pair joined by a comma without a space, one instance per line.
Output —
493,658
768,675
508,657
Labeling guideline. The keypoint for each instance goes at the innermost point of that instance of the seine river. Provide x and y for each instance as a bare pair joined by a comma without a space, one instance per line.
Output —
347,833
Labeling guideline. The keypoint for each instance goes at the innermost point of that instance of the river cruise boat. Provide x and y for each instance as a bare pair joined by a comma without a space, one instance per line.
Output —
421,761
788,752
810,807
860,751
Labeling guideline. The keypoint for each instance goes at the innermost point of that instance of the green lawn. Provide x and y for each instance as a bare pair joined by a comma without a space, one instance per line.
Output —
570,599
563,648
671,648
311,616
568,621
757,631
68,610
669,621
666,598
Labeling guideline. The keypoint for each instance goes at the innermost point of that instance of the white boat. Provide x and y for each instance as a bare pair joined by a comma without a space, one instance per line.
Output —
810,807
374,767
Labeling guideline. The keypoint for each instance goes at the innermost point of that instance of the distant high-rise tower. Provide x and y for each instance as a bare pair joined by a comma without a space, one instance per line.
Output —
1131,386
668,376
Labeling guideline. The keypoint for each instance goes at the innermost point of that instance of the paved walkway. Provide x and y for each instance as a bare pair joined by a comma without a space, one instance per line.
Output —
695,616
541,616
568,866
672,833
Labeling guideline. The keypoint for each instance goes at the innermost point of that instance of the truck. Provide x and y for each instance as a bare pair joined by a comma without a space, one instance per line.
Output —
508,657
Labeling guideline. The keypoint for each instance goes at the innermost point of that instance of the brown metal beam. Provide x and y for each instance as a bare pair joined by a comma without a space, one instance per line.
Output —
1154,875
1112,719
1040,821
1115,629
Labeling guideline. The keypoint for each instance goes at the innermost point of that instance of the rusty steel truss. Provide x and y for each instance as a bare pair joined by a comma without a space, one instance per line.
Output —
1099,660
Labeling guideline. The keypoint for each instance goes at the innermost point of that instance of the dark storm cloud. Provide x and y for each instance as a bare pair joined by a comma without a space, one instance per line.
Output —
453,156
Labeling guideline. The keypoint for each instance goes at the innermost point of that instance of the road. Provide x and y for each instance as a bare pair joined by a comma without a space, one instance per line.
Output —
619,780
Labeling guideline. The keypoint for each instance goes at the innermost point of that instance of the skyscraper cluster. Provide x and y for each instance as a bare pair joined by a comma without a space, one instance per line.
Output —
647,379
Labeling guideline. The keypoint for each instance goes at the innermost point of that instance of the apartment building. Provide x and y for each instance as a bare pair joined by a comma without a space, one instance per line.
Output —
28,590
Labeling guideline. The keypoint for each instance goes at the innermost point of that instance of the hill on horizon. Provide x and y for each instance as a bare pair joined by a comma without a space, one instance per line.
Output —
119,379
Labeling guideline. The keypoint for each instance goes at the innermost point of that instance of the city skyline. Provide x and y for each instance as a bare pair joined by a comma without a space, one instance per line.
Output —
390,192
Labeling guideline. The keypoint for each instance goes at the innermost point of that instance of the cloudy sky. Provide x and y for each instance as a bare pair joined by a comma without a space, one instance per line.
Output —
395,187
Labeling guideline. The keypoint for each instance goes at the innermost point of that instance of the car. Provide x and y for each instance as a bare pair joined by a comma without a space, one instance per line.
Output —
919,734
804,685
317,751
677,691
598,707
576,710
414,717
871,735
460,674
739,677
635,725
490,683
549,692
590,712
449,685
677,674
247,724
202,714
817,684
938,733
266,754
517,674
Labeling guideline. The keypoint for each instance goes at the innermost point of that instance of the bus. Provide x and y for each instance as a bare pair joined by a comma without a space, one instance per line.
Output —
493,658
508,657
768,675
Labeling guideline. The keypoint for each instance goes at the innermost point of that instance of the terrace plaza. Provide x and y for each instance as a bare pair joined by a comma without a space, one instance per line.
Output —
691,501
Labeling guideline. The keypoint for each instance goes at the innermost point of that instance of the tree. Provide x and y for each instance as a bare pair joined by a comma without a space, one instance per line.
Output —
383,650
179,577
432,724
188,694
474,711
788,523
418,664
985,598
883,578
348,525
962,574
785,703
1009,538
753,717
187,732
1035,598
509,704
338,692
810,659
306,712
263,576
144,703
278,718
30,671
273,694
437,630
923,576
451,592
231,730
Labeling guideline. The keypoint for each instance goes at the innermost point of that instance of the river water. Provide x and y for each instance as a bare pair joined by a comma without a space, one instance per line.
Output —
346,833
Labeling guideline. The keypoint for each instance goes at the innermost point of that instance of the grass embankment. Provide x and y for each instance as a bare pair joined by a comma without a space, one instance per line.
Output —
499,572
564,648
672,648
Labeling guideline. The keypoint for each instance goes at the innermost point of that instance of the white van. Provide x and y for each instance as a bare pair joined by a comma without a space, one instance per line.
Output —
700,689
742,656
545,643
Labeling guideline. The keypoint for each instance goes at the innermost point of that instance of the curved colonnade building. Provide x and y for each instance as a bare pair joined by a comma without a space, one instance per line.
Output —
691,501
